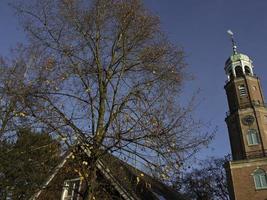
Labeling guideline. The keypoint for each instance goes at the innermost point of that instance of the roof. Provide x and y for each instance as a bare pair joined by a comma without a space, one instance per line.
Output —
237,57
137,182
130,182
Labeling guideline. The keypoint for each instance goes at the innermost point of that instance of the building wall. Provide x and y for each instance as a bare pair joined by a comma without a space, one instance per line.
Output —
247,127
238,132
241,106
241,182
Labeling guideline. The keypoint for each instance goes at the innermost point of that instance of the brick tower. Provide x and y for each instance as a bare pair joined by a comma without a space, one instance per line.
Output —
247,127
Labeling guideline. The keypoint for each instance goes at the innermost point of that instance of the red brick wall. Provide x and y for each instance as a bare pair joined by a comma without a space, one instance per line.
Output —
240,175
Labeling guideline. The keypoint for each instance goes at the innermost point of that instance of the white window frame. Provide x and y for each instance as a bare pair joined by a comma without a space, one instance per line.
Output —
260,175
253,137
65,195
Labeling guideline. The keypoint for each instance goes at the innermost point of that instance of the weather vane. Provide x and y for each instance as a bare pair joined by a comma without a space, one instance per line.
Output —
233,41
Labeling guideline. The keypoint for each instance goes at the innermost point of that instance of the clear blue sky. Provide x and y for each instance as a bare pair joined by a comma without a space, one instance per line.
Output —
200,27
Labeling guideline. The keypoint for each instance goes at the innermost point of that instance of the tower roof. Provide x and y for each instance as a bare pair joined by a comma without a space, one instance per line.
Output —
237,57
238,60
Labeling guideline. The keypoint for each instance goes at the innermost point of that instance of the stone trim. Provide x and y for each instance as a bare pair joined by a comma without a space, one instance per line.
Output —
248,163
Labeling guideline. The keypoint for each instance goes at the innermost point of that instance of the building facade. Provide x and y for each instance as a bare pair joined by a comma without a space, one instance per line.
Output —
247,126
115,180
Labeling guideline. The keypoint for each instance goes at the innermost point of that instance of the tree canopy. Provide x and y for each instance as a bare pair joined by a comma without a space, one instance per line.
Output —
102,72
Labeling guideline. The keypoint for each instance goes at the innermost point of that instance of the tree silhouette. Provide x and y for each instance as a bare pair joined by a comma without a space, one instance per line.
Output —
102,72
208,182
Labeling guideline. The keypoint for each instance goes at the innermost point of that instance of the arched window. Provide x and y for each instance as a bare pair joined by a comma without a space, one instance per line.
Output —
247,70
260,179
231,74
252,137
238,71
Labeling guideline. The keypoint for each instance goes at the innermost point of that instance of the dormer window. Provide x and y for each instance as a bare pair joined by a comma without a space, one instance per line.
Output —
242,90
71,189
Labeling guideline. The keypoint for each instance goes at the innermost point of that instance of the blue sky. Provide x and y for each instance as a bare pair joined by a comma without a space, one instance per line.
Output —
200,27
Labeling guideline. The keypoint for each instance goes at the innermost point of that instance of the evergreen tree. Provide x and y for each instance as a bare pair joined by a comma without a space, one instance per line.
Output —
25,163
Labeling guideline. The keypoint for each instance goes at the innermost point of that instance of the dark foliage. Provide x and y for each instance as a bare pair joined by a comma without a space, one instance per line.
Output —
208,182
25,163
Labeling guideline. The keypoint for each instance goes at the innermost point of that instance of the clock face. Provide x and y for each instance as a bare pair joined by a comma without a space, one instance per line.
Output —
248,120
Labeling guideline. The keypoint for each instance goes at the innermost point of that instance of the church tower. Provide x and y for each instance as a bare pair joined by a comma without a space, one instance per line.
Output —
247,126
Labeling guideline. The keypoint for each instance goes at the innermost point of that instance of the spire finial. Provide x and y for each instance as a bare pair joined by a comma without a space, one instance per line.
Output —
233,41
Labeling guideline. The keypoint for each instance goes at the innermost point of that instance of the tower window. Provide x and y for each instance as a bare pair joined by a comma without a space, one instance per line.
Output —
71,189
247,70
242,90
260,179
231,74
252,137
238,71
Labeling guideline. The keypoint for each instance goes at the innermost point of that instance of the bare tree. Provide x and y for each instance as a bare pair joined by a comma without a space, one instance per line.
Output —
22,169
207,181
103,72
10,110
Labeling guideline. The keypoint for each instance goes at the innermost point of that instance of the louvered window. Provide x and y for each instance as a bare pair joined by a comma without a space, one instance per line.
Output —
242,90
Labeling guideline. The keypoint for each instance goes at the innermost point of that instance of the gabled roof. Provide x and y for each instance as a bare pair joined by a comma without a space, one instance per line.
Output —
128,181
